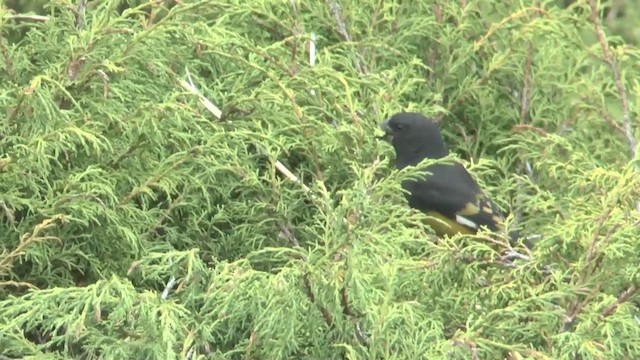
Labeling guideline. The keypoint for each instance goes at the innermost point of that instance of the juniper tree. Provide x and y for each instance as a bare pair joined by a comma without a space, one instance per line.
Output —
201,179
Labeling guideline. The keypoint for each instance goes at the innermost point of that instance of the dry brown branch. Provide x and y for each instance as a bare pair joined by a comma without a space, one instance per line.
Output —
625,296
328,319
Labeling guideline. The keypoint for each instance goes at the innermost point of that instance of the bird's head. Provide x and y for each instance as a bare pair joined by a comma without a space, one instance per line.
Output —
414,138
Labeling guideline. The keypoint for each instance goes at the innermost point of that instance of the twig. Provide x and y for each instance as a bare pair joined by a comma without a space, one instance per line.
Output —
312,50
6,55
608,58
525,97
328,319
361,335
312,56
80,15
190,353
288,234
497,26
433,57
525,127
9,212
165,295
167,289
347,311
7,259
591,252
191,87
336,11
575,306
525,101
626,295
27,17
284,171
473,348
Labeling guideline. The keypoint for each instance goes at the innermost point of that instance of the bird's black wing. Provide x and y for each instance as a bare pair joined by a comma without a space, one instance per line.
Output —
451,191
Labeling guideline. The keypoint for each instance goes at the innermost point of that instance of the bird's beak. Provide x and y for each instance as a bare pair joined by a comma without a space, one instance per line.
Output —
384,131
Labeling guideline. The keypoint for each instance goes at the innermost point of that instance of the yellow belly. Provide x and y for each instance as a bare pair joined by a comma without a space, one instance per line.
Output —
449,227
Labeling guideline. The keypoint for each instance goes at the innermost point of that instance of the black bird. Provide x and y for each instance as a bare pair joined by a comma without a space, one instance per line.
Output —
449,193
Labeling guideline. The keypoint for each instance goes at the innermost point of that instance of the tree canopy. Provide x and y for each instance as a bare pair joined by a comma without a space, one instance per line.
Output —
201,180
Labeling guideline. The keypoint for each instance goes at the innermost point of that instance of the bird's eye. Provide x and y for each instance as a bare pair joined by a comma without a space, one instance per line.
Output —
398,126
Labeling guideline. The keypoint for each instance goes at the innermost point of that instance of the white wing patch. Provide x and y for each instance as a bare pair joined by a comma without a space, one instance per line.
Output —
466,222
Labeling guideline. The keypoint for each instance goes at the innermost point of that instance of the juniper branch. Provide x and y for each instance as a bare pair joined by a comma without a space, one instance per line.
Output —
280,167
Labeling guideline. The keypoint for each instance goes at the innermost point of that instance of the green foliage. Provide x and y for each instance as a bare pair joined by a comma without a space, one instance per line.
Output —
137,223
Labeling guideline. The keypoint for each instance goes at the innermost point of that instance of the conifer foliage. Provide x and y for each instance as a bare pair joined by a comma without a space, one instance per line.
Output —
201,180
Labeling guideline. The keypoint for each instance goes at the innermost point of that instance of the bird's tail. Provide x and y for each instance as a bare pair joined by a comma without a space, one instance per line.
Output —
515,238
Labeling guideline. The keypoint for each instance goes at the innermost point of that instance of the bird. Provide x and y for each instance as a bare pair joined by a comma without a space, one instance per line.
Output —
449,193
